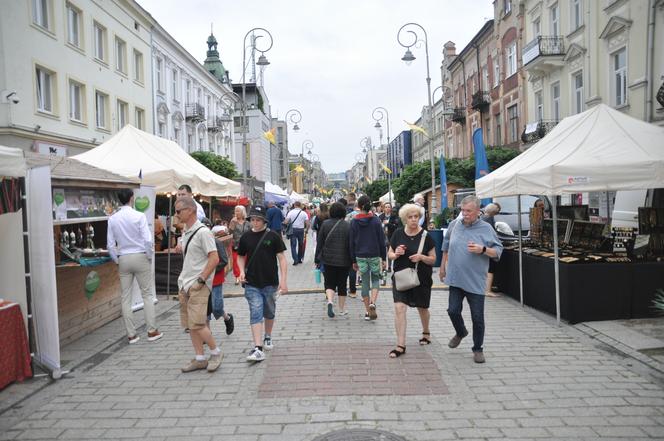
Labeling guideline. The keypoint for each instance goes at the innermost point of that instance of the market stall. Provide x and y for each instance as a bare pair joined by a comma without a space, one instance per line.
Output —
274,193
601,149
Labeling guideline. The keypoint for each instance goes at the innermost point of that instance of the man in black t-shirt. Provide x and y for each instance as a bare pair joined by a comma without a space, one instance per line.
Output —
258,252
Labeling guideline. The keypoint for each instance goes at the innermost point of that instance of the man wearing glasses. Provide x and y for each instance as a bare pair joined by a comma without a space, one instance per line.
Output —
195,285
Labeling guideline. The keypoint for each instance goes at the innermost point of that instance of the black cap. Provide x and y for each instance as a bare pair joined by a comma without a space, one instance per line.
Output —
258,211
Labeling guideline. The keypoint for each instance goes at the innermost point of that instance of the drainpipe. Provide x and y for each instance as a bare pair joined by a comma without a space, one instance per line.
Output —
154,96
650,54
465,97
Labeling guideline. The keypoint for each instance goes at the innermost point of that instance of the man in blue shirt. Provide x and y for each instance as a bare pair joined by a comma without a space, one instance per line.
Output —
469,244
275,217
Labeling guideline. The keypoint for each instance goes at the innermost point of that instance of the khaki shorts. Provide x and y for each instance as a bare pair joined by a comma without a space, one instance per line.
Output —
193,307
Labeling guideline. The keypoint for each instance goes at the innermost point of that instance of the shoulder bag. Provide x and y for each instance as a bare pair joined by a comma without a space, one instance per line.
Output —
289,227
406,278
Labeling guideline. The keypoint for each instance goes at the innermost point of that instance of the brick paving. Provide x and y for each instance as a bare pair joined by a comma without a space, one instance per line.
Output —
540,381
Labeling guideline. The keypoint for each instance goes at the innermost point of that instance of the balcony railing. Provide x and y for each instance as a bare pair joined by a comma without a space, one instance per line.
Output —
195,113
214,124
542,46
481,100
459,115
533,132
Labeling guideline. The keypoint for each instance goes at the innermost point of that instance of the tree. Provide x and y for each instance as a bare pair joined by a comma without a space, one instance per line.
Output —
217,164
376,189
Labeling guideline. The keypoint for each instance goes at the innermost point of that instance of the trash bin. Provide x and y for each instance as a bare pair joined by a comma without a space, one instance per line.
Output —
437,236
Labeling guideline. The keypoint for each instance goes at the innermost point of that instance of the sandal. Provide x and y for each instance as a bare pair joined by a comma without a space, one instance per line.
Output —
396,354
425,340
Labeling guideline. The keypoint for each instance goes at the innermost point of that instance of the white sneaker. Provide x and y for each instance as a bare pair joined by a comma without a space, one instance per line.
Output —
267,344
342,312
256,355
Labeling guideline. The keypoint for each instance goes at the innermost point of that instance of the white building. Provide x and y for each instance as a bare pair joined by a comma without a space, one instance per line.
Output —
256,158
193,103
72,73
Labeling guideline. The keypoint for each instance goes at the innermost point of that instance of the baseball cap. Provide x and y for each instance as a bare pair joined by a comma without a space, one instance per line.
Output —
257,211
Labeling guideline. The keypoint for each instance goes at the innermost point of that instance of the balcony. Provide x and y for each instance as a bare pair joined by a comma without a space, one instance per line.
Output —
481,100
195,113
543,55
537,130
214,125
459,115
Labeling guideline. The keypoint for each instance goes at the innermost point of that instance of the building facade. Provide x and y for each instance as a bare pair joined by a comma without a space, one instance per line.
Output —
255,157
73,73
400,153
280,173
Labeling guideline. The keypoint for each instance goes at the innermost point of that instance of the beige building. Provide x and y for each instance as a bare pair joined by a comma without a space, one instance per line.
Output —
72,73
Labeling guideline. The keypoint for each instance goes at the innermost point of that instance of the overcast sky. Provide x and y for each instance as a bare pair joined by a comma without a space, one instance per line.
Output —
334,60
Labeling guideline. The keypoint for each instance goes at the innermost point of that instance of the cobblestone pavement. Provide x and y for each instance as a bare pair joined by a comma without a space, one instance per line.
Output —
540,381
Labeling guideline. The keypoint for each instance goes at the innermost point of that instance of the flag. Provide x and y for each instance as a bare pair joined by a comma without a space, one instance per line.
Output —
298,168
385,168
368,180
269,135
481,163
415,128
443,184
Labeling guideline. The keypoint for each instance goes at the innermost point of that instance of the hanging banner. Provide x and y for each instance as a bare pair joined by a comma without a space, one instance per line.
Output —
443,184
481,162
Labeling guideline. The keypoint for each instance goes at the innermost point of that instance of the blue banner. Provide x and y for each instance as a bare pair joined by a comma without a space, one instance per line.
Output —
443,184
481,162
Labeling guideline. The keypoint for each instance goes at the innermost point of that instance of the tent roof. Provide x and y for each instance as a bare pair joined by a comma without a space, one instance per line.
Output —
275,189
72,170
601,149
12,162
162,163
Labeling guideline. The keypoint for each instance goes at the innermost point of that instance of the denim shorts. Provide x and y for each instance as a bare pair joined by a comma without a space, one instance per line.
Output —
262,302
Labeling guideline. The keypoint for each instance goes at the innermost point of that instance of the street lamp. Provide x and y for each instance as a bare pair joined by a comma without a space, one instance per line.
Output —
262,61
378,114
408,57
308,145
294,116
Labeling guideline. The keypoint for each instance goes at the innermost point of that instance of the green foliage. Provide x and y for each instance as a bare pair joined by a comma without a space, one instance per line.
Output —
218,164
497,156
414,178
376,189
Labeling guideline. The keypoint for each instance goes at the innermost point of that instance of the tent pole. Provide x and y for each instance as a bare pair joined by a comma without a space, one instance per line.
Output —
555,261
520,252
168,235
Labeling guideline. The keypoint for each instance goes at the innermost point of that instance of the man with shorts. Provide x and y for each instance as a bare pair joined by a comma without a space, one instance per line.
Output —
258,253
195,285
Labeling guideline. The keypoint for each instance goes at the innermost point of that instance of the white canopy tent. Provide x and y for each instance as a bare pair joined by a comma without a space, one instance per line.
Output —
12,162
601,149
161,163
295,196
387,197
274,193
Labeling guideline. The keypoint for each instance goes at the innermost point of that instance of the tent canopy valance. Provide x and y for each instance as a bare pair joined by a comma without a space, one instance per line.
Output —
12,162
601,149
158,162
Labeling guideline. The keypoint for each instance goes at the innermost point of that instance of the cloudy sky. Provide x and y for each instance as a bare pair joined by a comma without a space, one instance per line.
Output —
334,60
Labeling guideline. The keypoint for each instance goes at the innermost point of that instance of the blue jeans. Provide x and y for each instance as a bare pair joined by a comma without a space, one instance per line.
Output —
262,303
476,304
352,280
217,301
296,243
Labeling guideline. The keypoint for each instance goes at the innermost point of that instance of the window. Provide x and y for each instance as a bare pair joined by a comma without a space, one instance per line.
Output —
159,64
174,85
139,118
555,101
485,78
99,33
120,55
510,61
190,140
161,128
45,89
496,72
537,28
513,115
73,25
41,10
176,134
619,77
507,6
577,90
76,101
555,20
188,91
499,124
199,96
138,66
539,106
576,14
101,110
123,114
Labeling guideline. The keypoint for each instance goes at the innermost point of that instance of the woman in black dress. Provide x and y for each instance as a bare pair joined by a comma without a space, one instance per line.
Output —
404,245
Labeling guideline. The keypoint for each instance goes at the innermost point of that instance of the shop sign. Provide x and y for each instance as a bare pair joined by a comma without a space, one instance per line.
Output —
50,149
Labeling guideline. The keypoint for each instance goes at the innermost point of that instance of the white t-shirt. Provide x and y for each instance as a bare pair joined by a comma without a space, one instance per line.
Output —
297,217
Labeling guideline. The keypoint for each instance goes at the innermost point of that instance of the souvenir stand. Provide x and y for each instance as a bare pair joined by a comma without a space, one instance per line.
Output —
601,149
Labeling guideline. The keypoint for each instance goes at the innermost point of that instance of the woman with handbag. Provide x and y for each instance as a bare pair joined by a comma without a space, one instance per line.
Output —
413,252
238,226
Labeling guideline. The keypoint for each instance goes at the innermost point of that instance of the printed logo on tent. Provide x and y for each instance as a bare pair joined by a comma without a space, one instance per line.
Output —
59,198
578,180
92,282
142,203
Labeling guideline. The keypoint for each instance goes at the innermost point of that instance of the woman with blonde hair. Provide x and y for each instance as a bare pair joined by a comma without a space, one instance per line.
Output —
405,251
238,226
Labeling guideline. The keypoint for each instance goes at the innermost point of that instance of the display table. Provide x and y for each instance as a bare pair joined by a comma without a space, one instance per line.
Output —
588,291
15,358
161,272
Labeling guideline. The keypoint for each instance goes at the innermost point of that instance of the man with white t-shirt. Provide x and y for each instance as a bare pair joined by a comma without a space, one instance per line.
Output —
185,190
299,219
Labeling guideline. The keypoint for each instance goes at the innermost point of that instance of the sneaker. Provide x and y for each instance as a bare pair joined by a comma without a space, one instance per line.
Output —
155,335
214,362
267,344
230,324
256,355
352,295
133,339
330,310
194,365
456,340
478,357
372,312
342,312
366,316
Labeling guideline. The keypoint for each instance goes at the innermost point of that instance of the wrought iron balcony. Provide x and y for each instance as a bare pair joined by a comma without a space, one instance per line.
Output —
214,124
543,53
459,115
195,113
533,132
481,100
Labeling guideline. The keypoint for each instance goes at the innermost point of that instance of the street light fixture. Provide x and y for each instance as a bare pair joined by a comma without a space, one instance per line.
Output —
308,145
408,58
262,61
378,114
294,116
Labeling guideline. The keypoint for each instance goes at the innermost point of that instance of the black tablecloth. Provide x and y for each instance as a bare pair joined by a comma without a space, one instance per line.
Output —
588,291
161,272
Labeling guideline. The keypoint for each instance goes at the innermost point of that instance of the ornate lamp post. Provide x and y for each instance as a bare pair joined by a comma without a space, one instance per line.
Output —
308,145
294,116
378,114
408,57
262,61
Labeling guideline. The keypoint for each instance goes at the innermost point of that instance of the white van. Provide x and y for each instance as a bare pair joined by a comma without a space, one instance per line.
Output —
627,203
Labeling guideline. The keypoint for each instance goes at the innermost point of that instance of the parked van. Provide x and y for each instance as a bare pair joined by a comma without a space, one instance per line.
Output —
627,203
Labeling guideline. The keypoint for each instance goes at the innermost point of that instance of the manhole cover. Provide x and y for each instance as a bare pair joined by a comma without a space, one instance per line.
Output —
359,435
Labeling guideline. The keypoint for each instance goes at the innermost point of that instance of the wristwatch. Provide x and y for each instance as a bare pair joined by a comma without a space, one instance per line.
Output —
483,250
201,280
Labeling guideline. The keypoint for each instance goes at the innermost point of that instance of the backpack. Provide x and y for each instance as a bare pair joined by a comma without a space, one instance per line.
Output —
223,256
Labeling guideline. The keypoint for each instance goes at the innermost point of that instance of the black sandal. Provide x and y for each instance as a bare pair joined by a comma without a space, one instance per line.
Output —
396,354
424,340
